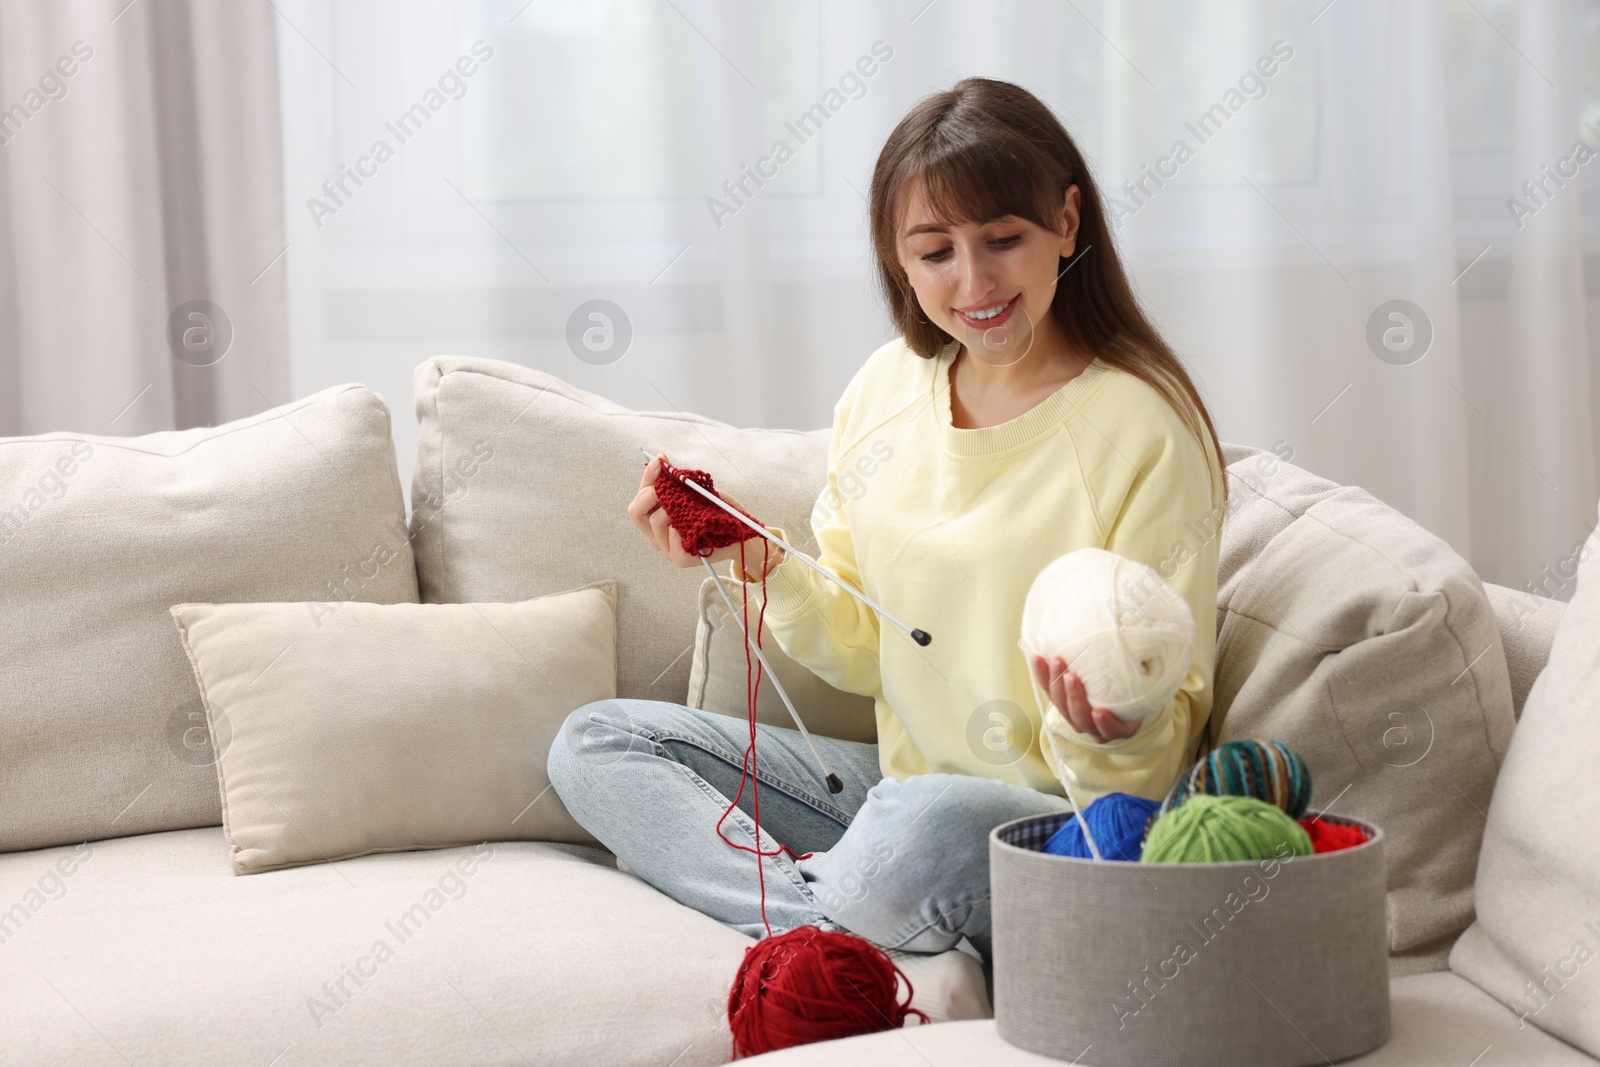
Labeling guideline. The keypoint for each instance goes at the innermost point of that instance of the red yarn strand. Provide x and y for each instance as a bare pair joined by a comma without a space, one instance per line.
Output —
790,988
750,766
703,528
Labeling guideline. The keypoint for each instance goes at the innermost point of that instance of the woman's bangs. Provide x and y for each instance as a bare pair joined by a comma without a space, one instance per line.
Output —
977,184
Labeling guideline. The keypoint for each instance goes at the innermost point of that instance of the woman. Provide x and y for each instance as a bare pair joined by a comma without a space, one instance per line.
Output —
1028,409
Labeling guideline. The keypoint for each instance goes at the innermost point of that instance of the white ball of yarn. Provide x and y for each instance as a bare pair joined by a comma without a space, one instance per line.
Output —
1116,624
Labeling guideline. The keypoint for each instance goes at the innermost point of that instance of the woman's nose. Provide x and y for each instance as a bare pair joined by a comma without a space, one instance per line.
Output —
975,275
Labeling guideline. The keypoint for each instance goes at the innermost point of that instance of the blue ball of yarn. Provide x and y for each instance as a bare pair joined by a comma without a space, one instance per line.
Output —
1118,822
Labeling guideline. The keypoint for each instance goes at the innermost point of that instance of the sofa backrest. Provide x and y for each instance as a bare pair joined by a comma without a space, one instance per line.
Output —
104,732
522,485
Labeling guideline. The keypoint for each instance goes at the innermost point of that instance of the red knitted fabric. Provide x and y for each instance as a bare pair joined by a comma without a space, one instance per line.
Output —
702,526
1332,836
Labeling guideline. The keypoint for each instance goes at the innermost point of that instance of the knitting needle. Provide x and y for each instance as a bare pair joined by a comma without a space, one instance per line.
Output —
834,784
921,637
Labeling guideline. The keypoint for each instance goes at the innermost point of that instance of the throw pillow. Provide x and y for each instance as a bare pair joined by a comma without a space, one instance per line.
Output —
1535,946
1368,645
348,729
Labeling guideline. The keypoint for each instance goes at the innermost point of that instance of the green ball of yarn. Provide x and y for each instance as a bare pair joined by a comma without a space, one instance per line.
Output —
1208,829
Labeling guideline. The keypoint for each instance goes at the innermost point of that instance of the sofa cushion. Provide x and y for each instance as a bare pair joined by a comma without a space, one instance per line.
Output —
1439,1020
719,675
499,953
549,512
1536,941
1367,644
103,732
347,729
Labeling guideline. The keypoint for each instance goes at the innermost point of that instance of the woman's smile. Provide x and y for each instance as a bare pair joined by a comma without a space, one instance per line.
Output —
990,315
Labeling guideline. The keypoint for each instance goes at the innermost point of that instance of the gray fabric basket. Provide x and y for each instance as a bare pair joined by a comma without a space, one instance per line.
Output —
1256,964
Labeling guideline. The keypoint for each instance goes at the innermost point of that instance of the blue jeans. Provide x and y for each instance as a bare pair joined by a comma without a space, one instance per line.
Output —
904,864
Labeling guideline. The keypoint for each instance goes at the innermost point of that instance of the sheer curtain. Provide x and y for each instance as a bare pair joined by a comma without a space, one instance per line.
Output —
1339,254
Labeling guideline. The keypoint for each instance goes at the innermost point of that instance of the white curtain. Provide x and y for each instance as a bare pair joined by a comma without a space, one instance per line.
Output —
605,149
141,215
1538,385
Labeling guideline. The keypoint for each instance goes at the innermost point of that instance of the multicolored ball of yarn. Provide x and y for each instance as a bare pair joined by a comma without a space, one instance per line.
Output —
1117,821
1267,770
1209,829
1329,836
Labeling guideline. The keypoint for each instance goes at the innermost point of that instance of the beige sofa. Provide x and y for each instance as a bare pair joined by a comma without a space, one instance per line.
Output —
125,936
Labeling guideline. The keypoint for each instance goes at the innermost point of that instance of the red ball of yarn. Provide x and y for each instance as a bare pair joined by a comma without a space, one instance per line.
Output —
1332,836
810,984
702,526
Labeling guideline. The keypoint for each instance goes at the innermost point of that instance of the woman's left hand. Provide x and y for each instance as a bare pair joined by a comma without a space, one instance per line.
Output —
1066,692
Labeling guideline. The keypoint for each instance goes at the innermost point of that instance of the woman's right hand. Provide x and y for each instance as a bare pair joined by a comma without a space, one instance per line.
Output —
648,514
1067,693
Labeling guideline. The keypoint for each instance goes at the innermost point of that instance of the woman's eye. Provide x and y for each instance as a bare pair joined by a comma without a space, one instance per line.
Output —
1007,242
935,256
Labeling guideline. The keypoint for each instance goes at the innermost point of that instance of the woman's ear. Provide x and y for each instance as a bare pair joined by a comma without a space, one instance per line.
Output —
1069,221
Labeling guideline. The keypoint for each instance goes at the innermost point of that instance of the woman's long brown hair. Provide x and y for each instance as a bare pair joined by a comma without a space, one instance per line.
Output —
985,149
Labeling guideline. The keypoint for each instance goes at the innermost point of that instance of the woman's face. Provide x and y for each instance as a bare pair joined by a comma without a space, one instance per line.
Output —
986,284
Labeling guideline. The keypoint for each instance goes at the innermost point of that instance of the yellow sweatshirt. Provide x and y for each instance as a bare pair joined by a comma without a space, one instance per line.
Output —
947,528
